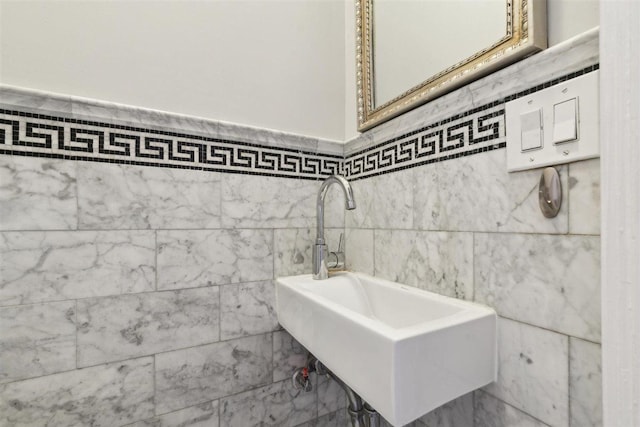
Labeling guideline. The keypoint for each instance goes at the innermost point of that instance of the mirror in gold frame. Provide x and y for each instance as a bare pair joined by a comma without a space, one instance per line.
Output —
526,33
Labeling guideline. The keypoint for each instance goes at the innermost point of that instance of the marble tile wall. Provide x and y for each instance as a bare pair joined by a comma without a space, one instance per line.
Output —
142,296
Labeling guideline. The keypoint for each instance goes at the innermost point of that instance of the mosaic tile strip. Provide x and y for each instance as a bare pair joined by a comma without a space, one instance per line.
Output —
475,131
440,141
29,134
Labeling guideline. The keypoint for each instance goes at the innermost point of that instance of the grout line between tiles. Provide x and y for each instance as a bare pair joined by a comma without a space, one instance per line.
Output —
155,388
473,266
76,334
155,252
512,406
77,172
569,414
546,329
157,353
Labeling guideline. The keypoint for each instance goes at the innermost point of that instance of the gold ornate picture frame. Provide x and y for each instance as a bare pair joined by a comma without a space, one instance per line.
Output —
526,34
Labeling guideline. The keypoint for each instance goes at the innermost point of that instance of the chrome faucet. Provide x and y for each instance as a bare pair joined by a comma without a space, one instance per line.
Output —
323,260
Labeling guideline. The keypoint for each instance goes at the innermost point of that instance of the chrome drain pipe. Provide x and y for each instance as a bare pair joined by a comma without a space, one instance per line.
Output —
372,417
356,408
361,413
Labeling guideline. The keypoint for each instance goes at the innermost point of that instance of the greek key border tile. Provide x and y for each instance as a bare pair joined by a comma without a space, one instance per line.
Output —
30,134
440,141
474,131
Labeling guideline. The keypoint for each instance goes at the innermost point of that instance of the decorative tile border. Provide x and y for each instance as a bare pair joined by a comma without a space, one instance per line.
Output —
454,137
29,134
475,131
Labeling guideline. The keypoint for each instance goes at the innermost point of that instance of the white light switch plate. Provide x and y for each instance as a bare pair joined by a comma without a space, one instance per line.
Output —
587,145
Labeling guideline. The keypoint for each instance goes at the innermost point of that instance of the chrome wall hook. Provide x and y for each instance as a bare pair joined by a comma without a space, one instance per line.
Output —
550,193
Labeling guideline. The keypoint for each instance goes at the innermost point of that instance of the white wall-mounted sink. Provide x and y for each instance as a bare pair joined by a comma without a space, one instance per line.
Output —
403,350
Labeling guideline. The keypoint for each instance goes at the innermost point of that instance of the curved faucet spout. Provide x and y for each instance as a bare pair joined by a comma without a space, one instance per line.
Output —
350,202
320,270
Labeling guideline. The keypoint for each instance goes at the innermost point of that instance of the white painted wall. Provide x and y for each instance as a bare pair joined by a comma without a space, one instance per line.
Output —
350,101
274,64
566,18
281,64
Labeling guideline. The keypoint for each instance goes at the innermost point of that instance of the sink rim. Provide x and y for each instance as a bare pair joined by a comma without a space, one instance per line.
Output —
468,310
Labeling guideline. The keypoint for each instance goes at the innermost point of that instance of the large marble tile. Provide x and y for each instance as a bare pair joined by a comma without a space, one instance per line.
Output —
294,249
549,281
457,413
127,326
584,197
278,405
288,355
247,309
124,196
203,415
37,194
58,265
439,262
384,201
492,412
188,259
585,383
533,373
259,201
476,193
38,339
359,250
199,374
105,395
331,397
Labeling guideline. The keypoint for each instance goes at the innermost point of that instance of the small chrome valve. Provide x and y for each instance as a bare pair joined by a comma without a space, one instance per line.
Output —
301,380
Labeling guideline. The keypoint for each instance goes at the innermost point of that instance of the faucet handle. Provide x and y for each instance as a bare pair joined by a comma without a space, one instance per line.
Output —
335,260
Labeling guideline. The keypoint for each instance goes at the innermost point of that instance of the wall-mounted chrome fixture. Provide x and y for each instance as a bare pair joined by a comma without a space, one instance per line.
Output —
323,260
550,192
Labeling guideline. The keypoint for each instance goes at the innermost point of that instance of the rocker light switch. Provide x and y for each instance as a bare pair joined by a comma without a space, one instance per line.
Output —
531,130
555,125
565,121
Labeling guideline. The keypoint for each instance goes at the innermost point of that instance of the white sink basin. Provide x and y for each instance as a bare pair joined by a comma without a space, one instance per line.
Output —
403,350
